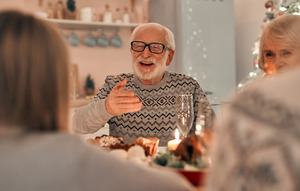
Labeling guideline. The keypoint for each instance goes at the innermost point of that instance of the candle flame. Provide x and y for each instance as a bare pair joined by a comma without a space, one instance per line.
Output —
198,127
176,134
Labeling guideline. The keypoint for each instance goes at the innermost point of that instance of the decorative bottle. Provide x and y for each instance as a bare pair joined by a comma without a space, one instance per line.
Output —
107,16
126,16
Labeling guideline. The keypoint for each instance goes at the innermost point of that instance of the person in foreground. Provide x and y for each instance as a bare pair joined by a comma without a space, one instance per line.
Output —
141,104
37,152
256,144
280,45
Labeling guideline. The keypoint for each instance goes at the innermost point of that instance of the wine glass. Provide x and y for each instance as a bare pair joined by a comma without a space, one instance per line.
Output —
184,113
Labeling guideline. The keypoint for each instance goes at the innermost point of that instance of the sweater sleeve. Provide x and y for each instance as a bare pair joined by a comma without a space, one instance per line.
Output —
90,118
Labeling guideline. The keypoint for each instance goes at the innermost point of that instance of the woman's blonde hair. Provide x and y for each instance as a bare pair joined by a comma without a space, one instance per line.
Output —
34,68
284,31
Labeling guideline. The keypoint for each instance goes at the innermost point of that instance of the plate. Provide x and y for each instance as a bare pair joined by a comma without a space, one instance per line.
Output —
196,177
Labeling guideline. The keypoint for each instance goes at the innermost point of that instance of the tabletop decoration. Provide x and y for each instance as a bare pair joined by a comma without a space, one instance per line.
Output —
89,85
108,142
173,144
189,159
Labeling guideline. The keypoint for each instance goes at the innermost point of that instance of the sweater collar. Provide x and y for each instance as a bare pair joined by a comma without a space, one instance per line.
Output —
152,86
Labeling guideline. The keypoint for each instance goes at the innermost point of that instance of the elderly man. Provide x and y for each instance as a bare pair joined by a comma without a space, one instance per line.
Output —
142,104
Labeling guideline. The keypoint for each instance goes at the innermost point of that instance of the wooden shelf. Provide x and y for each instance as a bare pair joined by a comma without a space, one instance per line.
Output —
82,25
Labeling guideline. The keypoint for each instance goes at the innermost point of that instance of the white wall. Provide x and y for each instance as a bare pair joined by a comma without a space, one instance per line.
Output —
249,15
208,47
97,61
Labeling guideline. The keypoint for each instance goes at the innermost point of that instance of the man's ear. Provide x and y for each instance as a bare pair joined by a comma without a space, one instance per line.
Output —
170,57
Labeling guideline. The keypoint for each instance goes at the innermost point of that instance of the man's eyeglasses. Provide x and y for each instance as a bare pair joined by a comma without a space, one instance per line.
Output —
156,48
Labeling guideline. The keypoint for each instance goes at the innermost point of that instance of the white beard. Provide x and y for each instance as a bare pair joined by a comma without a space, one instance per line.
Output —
160,68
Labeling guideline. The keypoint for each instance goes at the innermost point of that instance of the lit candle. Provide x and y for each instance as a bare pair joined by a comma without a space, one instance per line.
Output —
173,144
200,125
198,130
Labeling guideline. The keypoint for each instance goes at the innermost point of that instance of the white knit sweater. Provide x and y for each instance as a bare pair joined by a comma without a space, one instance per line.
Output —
63,162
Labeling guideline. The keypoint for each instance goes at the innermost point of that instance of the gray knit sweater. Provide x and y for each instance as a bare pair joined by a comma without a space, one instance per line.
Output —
64,162
157,116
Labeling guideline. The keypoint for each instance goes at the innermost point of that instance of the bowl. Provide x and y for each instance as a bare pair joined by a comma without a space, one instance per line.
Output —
196,177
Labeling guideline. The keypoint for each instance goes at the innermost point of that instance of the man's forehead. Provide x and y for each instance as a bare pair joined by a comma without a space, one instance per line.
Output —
151,34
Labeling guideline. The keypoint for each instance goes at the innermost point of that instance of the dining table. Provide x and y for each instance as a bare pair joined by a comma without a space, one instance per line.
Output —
160,150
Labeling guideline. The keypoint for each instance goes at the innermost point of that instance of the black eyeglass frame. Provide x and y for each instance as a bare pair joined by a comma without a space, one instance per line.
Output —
164,47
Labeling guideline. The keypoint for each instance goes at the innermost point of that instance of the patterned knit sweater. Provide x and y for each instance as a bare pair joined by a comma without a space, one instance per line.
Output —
157,116
256,147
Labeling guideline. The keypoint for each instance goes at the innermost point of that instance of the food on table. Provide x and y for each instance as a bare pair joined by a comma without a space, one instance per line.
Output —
190,159
189,155
106,140
124,146
190,149
168,159
136,152
148,144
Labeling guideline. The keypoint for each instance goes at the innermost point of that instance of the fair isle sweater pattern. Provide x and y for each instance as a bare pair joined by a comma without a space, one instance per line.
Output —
157,116
259,149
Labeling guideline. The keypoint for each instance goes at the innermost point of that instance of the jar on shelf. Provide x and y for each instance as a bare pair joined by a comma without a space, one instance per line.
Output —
107,15
118,16
59,10
87,14
49,10
141,11
70,11
126,16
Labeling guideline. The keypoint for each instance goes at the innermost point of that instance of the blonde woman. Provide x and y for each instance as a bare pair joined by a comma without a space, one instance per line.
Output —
36,151
280,44
256,144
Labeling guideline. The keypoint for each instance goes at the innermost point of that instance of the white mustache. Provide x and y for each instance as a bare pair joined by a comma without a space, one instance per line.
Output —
147,60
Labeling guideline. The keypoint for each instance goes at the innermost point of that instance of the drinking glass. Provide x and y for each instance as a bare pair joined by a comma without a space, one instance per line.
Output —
184,113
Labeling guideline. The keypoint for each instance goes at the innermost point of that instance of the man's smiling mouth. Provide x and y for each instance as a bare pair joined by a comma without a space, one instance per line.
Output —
146,64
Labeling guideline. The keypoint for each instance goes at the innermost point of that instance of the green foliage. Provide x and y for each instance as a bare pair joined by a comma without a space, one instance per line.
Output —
71,5
168,159
89,82
293,7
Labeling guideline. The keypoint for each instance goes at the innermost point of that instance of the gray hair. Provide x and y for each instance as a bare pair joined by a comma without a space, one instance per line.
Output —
169,34
284,31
